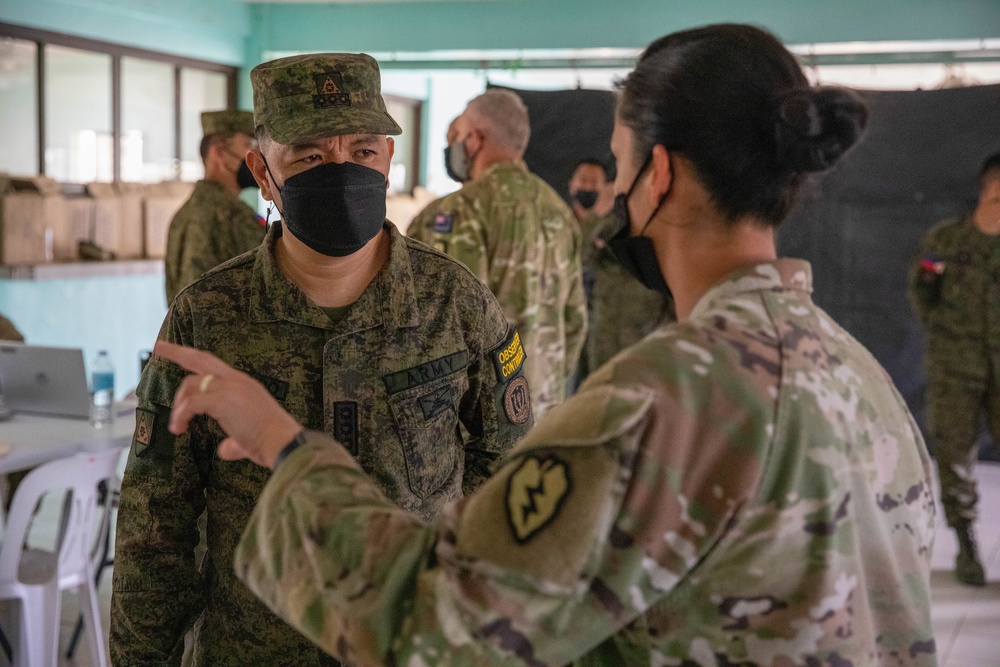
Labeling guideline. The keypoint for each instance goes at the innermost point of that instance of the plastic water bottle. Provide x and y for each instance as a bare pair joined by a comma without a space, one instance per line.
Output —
102,381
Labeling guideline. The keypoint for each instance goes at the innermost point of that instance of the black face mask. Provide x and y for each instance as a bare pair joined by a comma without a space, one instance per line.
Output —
244,177
636,253
585,198
335,208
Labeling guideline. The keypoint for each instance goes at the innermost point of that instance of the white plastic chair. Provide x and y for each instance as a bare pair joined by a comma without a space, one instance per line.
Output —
37,577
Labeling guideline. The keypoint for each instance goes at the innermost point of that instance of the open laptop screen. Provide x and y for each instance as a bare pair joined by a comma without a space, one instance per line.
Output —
46,380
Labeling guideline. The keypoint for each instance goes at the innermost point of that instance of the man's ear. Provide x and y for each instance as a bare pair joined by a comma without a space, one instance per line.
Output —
255,160
661,172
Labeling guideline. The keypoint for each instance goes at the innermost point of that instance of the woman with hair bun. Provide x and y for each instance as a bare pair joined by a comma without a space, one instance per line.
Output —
744,487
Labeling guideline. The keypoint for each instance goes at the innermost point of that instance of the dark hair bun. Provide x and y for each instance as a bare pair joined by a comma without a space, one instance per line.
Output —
816,126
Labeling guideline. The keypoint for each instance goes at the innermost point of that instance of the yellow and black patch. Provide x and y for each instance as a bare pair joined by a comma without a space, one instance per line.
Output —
535,493
509,356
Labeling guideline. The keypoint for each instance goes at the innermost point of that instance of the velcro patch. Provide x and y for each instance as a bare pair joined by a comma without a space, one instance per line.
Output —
277,388
509,356
345,425
517,401
437,401
443,223
535,493
426,372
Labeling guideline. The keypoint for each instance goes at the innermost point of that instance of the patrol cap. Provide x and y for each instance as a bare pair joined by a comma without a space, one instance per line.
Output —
303,98
227,122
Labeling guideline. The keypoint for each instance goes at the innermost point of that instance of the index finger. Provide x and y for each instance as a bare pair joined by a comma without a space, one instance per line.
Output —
190,359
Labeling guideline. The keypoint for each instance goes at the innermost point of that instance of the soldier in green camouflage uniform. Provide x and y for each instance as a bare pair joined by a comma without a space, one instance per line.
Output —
745,487
420,377
955,289
514,232
214,224
623,311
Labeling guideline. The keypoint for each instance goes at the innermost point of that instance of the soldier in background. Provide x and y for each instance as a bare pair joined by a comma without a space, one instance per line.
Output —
517,235
955,290
620,310
390,346
745,487
215,224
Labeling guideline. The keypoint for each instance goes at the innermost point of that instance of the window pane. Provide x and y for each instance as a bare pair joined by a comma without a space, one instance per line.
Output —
18,107
200,91
78,145
403,170
147,121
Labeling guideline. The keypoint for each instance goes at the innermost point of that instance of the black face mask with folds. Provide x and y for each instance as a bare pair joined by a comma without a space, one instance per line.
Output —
335,208
636,254
244,177
585,198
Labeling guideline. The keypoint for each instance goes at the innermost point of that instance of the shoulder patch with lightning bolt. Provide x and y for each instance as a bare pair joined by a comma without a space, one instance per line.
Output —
535,492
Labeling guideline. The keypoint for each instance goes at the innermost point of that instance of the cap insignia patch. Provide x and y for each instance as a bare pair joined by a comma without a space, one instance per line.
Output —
330,91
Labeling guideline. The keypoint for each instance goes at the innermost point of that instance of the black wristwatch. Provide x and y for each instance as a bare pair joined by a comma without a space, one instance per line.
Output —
296,442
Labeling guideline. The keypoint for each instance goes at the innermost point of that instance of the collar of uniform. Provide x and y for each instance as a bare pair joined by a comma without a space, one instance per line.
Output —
503,165
388,298
780,275
215,187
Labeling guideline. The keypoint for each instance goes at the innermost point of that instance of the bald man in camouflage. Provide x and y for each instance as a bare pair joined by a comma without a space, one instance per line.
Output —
514,232
214,224
393,348
955,289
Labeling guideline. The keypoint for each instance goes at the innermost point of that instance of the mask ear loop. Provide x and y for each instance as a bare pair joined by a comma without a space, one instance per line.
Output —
270,204
663,197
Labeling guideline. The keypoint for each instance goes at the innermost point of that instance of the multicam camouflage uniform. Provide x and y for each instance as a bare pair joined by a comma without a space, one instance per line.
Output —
622,311
955,289
744,488
521,239
211,227
415,359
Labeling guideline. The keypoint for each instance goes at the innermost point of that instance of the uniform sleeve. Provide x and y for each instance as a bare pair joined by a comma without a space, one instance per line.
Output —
578,534
156,592
924,284
497,410
419,227
459,232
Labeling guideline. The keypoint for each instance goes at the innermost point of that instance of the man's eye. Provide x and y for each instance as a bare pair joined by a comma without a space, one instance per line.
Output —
366,153
310,159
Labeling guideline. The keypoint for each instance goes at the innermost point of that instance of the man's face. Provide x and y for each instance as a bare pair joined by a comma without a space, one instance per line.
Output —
369,150
587,177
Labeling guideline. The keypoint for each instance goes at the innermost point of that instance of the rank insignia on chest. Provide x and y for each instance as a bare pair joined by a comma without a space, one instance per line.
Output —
144,426
535,493
443,223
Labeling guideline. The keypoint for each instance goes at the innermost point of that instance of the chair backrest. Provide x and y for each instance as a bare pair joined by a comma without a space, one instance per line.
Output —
80,475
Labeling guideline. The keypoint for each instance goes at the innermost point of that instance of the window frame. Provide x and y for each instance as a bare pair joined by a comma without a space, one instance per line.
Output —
43,38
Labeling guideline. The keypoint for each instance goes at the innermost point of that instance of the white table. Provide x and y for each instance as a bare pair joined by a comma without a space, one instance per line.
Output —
30,439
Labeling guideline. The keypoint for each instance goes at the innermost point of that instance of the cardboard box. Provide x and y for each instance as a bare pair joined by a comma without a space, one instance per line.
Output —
79,226
161,203
32,215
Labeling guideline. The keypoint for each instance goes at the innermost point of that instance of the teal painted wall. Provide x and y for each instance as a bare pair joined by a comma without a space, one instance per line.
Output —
121,314
216,30
525,24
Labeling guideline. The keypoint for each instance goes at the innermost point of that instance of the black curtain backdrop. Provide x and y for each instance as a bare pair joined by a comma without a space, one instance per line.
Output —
858,224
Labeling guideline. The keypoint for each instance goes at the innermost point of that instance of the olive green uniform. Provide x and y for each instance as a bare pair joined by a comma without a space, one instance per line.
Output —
623,311
744,488
515,232
955,289
410,378
212,226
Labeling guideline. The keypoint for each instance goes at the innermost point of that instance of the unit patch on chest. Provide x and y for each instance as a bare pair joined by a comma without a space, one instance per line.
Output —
437,401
